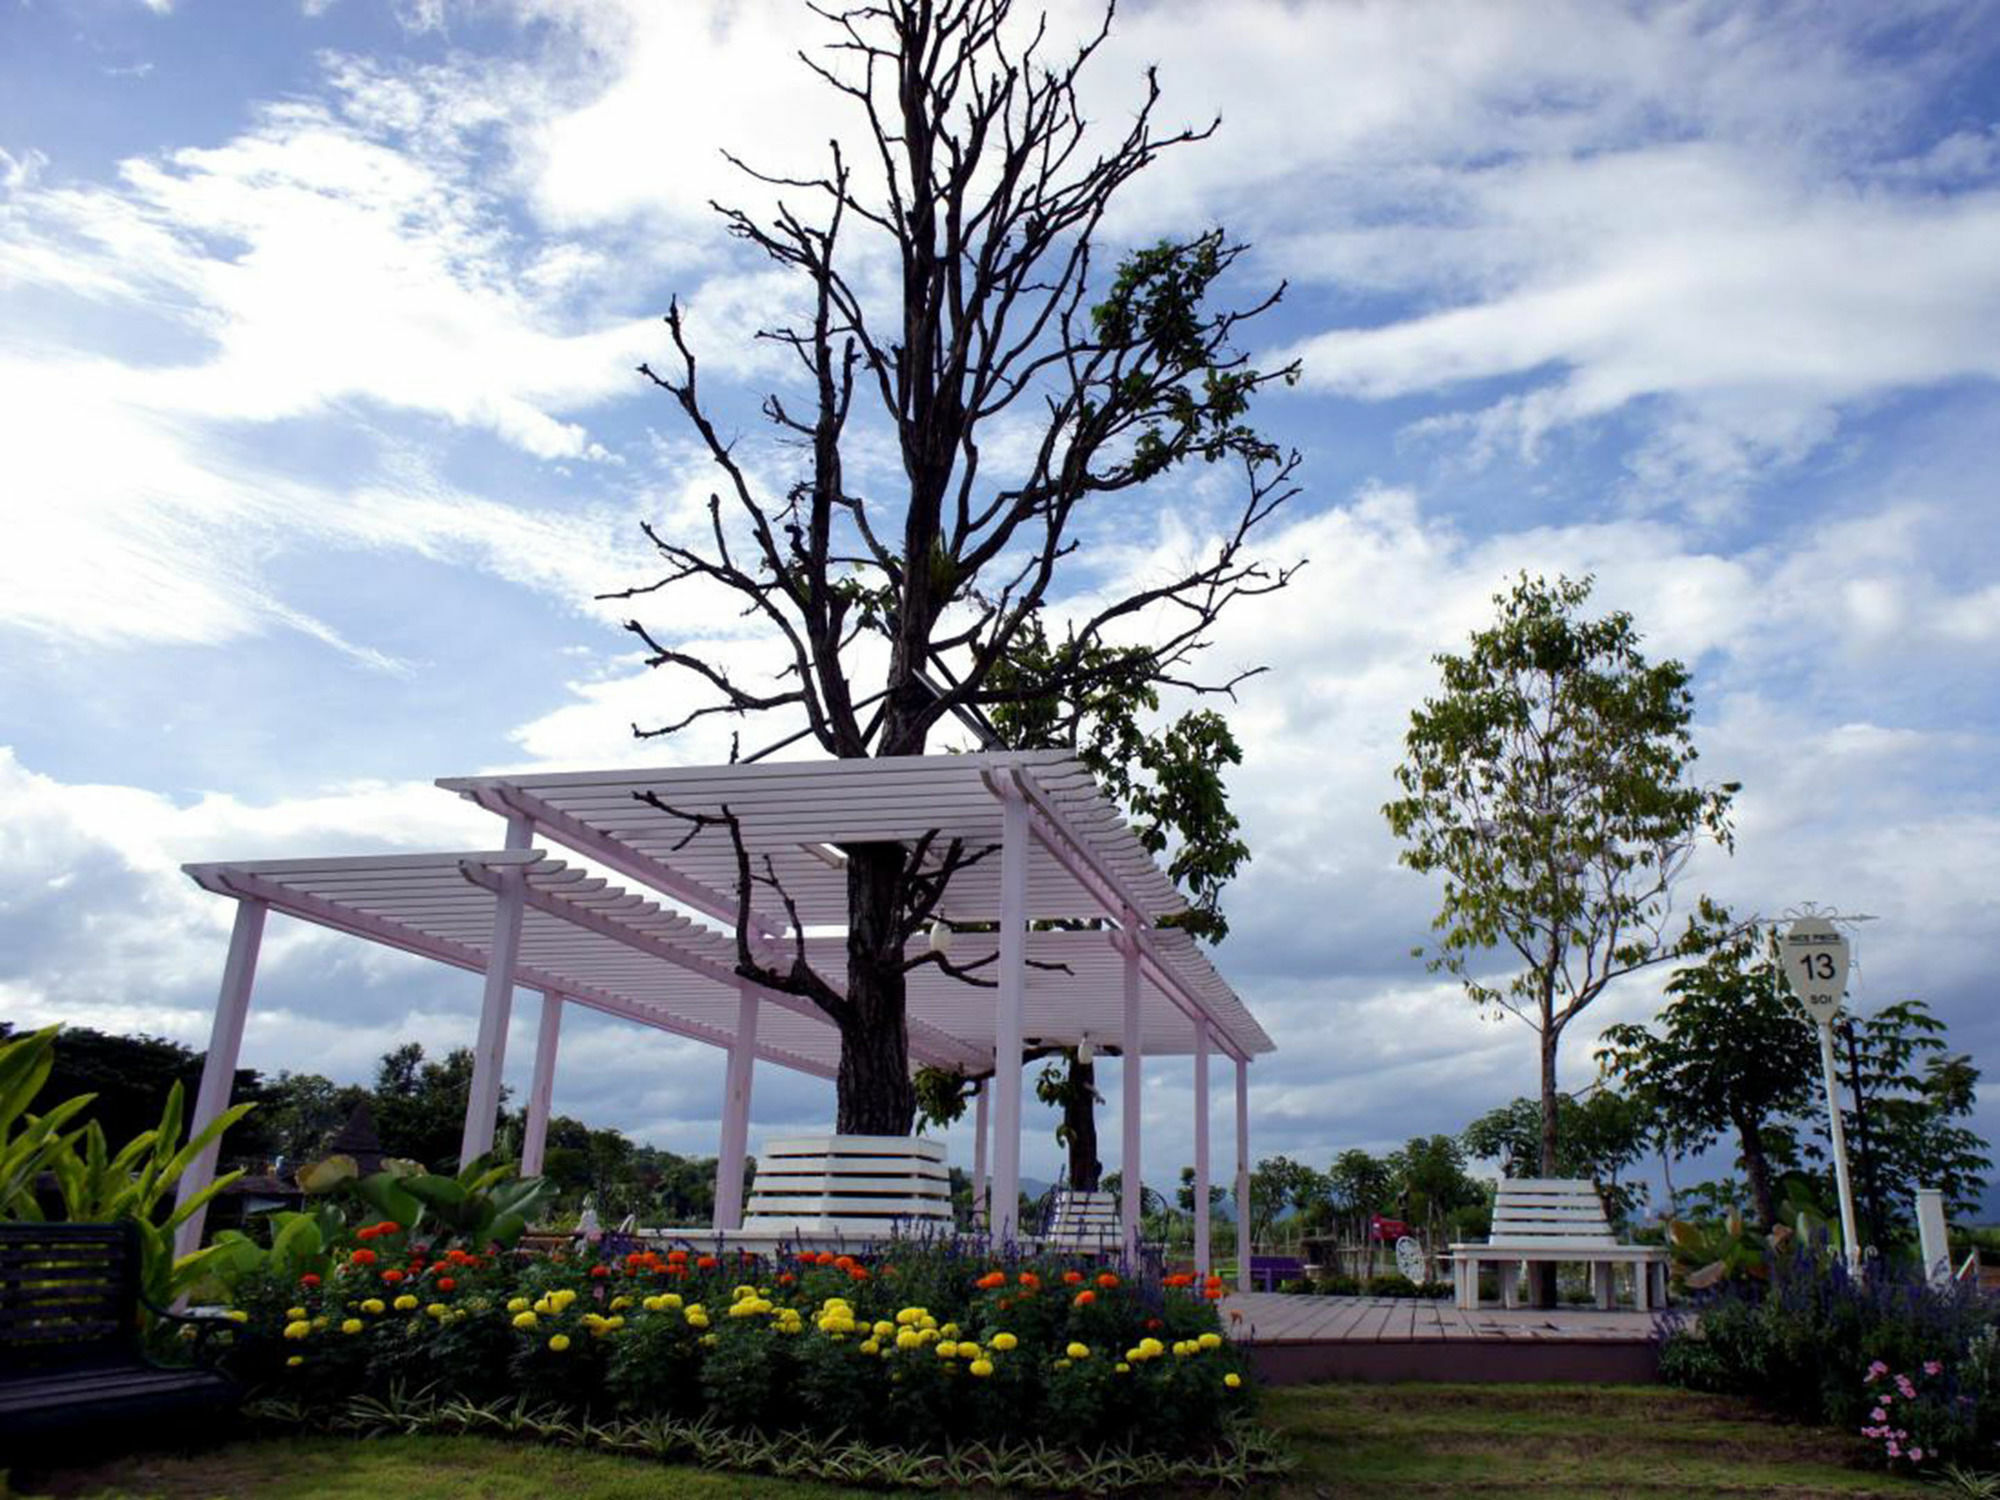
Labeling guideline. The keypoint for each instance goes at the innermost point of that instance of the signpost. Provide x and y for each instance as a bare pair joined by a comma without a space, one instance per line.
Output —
1816,959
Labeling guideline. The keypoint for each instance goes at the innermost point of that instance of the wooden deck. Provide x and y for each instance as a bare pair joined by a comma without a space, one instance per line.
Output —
1299,1338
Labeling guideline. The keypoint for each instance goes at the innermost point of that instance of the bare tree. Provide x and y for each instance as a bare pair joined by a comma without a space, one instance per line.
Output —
989,191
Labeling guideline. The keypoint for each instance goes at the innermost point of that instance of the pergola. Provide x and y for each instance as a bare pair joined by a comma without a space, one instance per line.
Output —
1052,848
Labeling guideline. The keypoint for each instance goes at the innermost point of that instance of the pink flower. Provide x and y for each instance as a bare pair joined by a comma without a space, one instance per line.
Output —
1878,1415
1894,1451
1932,1367
1916,1455
1877,1370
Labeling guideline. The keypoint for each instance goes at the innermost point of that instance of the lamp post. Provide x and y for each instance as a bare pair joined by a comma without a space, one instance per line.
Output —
1816,960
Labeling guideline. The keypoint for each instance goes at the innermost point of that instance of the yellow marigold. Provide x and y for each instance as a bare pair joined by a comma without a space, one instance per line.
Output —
696,1318
296,1359
950,1331
517,1304
1183,1349
525,1320
619,1304
351,1325
298,1328
670,1299
436,1310
909,1339
870,1346
237,1315
1152,1348
1005,1342
559,1342
947,1350
1078,1351
1232,1380
295,1313
1210,1341
1122,1368
745,1293
405,1303
562,1297
929,1335
372,1305
981,1367
909,1316
708,1340
883,1329
969,1350
1062,1364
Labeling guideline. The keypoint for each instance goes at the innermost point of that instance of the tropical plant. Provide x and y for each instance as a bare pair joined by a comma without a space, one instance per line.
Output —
475,1210
29,1143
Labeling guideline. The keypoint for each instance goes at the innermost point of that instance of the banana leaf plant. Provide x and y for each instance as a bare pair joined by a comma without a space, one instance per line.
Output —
96,1185
478,1208
302,1242
29,1143
1707,1255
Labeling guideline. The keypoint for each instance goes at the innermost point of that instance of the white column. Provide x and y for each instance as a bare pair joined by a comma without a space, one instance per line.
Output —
980,1131
1242,1174
737,1078
1202,1264
489,1052
541,1093
218,1068
1007,1016
1130,1167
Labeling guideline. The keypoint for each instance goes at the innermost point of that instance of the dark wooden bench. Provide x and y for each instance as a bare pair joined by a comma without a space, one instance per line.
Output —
72,1338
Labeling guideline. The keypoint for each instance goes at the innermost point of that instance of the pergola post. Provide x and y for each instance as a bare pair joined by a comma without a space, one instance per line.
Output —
1242,1174
541,1093
980,1132
489,1052
218,1068
1201,1257
1130,1168
737,1077
1013,980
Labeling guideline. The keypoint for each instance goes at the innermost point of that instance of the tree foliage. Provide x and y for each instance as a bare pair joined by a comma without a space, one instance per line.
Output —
1730,1051
1598,1136
1550,785
895,602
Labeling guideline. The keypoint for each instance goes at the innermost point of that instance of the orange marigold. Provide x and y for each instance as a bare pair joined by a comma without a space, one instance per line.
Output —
1107,1279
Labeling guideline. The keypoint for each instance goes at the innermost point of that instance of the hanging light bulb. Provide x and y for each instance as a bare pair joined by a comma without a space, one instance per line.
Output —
1084,1051
940,938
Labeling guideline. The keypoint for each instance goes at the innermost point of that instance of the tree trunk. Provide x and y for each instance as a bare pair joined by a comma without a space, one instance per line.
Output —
873,1090
1542,1275
1757,1168
1080,1125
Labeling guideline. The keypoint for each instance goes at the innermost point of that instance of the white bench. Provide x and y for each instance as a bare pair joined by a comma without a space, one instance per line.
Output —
860,1188
1543,1220
1085,1221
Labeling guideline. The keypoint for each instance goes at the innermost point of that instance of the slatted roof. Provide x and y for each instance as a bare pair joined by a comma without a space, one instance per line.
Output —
799,813
627,954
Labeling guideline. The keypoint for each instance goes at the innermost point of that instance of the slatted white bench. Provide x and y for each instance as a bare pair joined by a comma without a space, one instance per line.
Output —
858,1188
1542,1220
1085,1221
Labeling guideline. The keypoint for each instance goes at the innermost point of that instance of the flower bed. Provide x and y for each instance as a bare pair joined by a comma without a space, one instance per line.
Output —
926,1343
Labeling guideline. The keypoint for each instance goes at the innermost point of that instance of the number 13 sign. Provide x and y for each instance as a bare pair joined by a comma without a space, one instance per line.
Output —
1816,963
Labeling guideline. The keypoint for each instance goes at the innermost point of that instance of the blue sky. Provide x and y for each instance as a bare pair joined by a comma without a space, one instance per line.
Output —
317,333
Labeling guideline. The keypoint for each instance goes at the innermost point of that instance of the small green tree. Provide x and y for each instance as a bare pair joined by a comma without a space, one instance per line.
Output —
1281,1186
1549,784
1909,1094
1730,1051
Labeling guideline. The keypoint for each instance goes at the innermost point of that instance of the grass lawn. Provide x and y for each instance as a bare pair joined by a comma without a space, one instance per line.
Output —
1546,1442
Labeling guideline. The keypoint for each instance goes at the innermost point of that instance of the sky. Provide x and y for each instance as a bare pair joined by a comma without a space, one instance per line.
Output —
320,431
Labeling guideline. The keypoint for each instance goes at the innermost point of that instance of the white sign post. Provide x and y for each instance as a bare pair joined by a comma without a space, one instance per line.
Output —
1816,959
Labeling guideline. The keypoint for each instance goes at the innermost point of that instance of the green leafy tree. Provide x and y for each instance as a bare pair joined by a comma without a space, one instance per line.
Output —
895,605
1730,1051
1598,1136
419,1104
1431,1183
1359,1186
302,1110
1281,1186
1909,1093
1550,785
